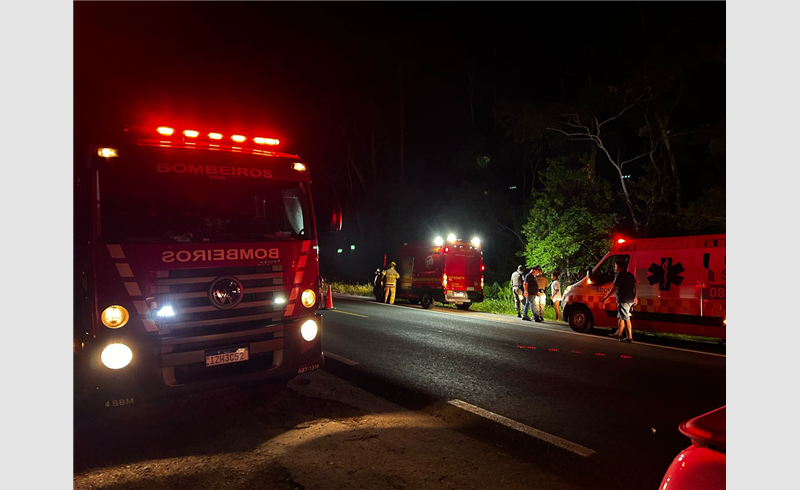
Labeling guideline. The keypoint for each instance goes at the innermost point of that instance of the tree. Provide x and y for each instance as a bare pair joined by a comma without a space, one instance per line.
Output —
706,214
568,224
578,127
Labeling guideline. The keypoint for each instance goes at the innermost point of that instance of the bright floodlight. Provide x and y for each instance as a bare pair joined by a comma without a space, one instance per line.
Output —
451,238
166,311
438,241
476,241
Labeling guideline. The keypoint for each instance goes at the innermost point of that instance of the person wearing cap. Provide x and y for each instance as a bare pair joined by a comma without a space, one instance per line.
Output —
516,289
530,287
540,298
390,277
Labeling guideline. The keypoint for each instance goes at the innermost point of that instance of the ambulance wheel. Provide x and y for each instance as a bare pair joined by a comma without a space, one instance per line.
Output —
580,319
426,300
463,306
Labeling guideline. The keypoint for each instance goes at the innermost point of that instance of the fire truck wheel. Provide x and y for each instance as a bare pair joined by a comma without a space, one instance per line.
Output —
463,306
580,319
426,300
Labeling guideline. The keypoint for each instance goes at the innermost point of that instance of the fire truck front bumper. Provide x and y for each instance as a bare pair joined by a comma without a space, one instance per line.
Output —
176,365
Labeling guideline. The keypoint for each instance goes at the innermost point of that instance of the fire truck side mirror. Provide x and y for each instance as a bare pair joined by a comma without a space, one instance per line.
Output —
327,208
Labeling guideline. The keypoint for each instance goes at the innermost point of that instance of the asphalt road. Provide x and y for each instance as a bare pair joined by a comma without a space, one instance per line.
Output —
596,409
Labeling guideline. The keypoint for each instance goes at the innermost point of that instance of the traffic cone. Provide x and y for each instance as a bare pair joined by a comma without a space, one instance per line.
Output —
329,300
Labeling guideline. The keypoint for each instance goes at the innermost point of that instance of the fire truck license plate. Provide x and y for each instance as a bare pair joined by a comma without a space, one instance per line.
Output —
459,294
226,356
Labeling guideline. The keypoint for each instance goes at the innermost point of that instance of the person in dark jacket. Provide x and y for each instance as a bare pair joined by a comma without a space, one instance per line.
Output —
624,290
377,285
531,289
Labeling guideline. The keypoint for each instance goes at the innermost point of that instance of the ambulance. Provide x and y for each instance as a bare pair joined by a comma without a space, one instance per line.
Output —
448,272
681,287
195,266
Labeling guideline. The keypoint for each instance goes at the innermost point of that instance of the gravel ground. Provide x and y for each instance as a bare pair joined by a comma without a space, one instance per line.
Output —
319,432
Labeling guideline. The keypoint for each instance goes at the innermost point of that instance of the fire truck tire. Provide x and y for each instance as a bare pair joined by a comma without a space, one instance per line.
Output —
426,300
463,306
580,319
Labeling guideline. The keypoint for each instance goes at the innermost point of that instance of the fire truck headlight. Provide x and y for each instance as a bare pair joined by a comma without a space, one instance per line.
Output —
309,330
166,311
115,316
116,356
308,298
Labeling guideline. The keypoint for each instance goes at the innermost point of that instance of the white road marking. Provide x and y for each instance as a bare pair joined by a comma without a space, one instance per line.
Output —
513,424
341,359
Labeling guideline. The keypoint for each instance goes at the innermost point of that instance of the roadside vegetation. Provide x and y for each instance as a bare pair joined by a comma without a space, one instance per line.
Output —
497,299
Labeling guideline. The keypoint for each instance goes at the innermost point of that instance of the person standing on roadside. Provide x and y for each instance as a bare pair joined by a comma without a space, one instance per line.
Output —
516,289
541,298
624,289
529,287
555,294
377,285
390,277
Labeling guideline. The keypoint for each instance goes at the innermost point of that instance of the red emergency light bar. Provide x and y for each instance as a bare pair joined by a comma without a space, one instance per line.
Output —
237,138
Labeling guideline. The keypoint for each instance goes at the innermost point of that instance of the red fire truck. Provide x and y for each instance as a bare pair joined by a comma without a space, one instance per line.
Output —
449,272
681,286
196,264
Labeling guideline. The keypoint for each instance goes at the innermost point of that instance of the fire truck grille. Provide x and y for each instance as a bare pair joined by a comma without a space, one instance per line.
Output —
187,293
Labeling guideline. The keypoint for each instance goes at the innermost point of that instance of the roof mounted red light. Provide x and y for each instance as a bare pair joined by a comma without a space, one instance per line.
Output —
215,136
165,130
266,141
238,138
621,240
189,133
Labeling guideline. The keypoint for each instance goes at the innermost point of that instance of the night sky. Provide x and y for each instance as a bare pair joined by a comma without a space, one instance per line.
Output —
320,75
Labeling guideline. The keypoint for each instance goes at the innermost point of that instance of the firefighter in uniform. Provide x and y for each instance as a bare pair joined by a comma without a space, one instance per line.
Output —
390,283
541,298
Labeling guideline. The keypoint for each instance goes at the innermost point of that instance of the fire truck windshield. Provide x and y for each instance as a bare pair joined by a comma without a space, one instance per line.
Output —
137,207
